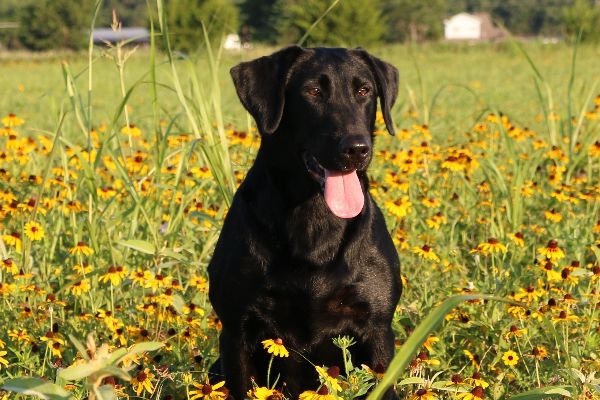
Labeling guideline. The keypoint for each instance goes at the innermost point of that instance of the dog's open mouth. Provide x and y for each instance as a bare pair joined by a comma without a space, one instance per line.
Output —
342,191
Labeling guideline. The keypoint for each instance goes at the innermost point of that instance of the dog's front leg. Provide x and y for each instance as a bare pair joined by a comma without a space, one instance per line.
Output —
236,363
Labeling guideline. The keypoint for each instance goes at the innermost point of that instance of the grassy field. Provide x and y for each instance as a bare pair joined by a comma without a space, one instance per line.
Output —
491,186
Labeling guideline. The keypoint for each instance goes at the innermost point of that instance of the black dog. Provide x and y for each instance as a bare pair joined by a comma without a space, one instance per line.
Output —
304,254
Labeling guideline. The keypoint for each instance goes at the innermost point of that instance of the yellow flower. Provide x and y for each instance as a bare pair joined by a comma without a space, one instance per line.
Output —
115,275
143,382
11,120
517,239
275,347
2,359
321,394
515,332
208,392
475,394
553,215
431,340
329,376
14,239
399,208
510,358
10,265
551,252
81,287
491,246
34,231
426,252
131,130
423,394
475,380
81,248
264,393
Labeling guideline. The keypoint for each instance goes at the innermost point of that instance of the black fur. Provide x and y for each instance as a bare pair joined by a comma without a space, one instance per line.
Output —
285,266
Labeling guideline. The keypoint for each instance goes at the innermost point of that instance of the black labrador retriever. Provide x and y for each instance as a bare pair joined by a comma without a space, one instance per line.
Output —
304,254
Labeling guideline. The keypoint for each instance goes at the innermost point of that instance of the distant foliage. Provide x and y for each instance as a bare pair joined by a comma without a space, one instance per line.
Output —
350,23
261,18
185,19
54,24
414,20
584,17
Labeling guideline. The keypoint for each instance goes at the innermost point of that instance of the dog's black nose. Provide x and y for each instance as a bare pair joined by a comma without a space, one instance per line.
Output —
355,148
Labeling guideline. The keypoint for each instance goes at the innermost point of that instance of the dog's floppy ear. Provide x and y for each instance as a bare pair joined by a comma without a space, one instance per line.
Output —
260,85
386,77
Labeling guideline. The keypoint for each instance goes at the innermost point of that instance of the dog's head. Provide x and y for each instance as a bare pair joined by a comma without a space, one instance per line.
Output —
324,102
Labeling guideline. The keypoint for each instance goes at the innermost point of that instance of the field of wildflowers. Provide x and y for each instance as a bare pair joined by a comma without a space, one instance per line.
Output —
111,205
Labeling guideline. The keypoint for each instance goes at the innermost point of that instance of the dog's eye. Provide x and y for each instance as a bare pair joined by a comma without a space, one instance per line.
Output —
313,91
363,91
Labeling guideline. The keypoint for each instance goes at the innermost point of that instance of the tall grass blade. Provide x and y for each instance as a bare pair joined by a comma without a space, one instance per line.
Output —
406,353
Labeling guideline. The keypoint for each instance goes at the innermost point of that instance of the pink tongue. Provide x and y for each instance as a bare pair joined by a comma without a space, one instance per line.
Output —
343,193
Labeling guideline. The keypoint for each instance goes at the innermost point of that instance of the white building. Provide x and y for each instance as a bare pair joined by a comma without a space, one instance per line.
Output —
464,26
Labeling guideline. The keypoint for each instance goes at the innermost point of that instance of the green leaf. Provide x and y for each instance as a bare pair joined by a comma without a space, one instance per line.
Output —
145,346
142,246
415,380
111,370
79,346
36,387
543,393
416,340
106,392
80,371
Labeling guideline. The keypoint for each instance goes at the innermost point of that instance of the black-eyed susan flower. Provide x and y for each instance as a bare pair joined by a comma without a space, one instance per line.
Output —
13,239
515,332
264,393
329,376
80,287
321,394
34,230
476,394
426,252
564,316
10,266
275,347
399,208
11,120
539,352
510,358
142,382
206,391
431,340
424,394
115,275
141,277
491,246
477,380
472,357
131,130
82,249
3,361
517,238
551,252
553,215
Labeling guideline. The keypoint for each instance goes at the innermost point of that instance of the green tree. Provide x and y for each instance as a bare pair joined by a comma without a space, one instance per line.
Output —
585,17
261,17
54,24
349,23
129,12
414,20
185,19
